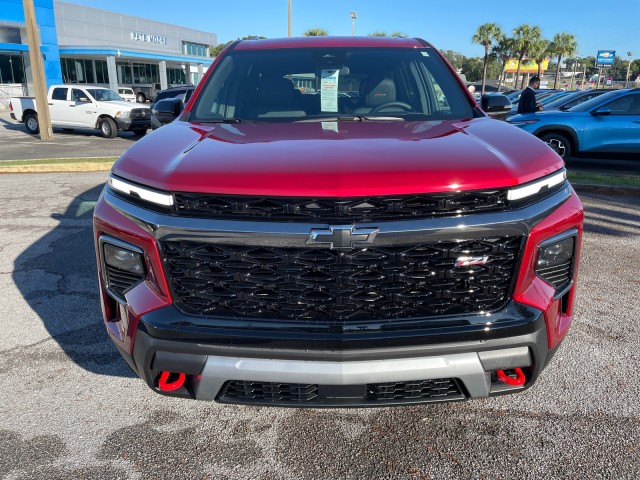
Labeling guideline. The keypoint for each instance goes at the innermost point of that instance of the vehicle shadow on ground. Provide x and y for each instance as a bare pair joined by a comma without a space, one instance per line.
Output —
56,275
82,132
611,214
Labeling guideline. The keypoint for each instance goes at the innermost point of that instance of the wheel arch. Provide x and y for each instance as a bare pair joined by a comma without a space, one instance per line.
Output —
27,112
103,116
568,132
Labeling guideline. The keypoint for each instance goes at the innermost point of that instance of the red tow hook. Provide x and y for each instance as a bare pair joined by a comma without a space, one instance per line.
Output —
166,386
518,381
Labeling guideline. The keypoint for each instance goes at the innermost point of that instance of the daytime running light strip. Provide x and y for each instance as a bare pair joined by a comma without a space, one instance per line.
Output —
533,188
163,199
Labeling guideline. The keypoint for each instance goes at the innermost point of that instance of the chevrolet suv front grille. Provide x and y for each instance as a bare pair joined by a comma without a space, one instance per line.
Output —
332,286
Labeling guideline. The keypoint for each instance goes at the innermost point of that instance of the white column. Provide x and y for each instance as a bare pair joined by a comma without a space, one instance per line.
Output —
187,69
162,70
113,73
200,72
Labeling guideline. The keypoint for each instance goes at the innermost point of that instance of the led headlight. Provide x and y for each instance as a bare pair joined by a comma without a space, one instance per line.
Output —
142,193
556,258
533,188
123,259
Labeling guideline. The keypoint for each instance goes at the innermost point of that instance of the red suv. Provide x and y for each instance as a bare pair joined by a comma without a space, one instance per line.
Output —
335,222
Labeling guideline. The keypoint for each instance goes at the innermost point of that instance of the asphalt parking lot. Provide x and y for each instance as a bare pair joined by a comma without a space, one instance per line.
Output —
70,408
17,144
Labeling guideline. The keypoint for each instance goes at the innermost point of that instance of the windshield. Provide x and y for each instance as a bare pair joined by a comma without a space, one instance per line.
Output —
104,95
594,102
317,83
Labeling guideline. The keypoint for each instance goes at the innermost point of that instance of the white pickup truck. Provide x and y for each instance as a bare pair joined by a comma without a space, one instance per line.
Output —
73,106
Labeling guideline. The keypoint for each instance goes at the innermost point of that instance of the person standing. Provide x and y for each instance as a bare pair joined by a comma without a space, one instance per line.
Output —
527,102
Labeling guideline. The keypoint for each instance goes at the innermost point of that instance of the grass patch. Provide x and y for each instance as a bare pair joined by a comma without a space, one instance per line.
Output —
56,161
604,179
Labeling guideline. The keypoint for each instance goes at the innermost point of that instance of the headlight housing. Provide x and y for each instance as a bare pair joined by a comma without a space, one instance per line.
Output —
556,260
121,114
123,266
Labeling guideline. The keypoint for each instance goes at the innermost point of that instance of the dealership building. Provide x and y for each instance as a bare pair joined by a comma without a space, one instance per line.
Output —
82,45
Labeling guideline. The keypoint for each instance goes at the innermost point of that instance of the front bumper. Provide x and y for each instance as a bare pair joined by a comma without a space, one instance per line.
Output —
343,377
341,364
127,124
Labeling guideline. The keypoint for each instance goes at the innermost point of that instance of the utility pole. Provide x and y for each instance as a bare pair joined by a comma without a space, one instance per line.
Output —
37,70
626,84
354,15
289,22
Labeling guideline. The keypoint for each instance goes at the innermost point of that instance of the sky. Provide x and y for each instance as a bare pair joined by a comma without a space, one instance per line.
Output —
448,25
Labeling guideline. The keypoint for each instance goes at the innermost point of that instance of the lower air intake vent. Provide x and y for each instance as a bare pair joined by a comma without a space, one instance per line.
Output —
310,395
119,281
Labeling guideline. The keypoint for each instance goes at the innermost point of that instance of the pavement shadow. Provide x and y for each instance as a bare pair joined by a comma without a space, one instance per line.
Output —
611,214
57,277
82,132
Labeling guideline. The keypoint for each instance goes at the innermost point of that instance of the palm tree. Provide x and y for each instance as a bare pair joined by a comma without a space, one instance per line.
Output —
316,32
563,44
539,51
378,33
503,51
523,37
398,34
485,35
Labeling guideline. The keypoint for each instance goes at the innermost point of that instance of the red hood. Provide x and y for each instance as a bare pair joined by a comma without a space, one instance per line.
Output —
337,159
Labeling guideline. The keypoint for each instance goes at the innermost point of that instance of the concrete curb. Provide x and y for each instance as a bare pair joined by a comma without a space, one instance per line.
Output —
58,167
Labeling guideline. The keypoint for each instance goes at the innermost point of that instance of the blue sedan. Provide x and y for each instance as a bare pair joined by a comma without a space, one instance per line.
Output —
608,123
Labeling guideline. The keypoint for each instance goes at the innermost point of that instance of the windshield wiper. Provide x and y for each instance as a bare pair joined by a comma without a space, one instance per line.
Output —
221,120
348,118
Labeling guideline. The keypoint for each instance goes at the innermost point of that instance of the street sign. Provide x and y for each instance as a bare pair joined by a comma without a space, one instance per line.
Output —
605,58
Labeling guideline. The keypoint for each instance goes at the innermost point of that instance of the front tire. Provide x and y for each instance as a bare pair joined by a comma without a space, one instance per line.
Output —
139,132
31,123
140,98
559,143
108,128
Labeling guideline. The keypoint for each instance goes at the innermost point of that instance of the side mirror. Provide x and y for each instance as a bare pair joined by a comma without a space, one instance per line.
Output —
601,112
495,104
83,100
168,109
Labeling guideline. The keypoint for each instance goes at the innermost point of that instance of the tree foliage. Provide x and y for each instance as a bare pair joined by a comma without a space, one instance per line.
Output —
563,44
485,35
455,59
215,50
316,32
377,33
523,37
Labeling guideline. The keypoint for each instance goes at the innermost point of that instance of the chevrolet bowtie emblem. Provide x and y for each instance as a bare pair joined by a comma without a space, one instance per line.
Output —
342,236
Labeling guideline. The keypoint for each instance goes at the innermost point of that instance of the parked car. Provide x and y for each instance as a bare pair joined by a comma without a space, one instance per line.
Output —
74,106
183,94
573,99
375,241
543,98
607,123
127,93
145,92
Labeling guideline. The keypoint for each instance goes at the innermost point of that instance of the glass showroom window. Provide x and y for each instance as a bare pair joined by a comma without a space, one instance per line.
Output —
11,69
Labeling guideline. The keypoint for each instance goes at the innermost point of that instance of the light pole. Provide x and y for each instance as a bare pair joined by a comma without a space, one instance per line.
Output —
354,15
626,84
289,20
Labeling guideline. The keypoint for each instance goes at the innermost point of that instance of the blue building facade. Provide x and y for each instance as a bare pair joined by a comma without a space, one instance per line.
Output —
83,45
13,42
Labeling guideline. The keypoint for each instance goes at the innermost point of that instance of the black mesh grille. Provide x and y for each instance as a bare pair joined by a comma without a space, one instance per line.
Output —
417,391
359,209
442,388
266,392
336,286
119,281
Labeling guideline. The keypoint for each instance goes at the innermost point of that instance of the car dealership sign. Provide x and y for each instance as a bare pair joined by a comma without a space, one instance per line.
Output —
147,37
605,58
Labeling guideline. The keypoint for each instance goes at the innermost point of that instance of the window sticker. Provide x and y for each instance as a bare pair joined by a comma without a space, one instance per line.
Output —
329,90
